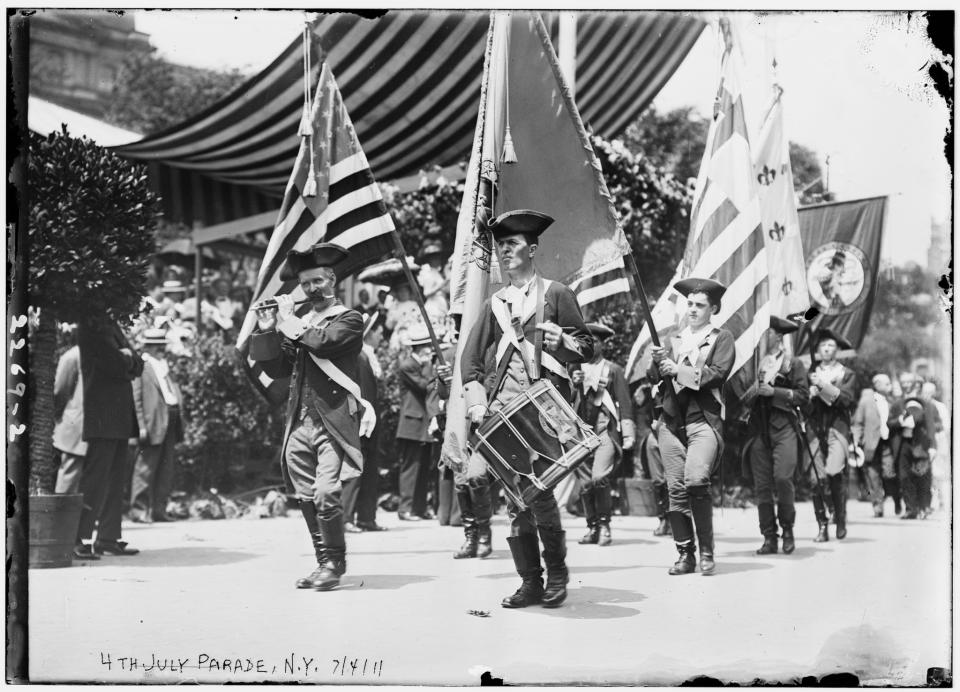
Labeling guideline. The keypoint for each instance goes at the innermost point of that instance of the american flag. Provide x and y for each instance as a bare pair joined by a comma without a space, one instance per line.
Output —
596,287
726,240
347,208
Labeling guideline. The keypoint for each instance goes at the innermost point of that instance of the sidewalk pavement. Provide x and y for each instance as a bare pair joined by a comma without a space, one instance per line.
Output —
214,601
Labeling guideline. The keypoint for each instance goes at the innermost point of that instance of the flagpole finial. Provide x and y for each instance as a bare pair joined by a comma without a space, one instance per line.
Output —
509,153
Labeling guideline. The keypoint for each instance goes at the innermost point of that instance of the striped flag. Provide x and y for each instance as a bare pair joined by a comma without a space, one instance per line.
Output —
347,208
726,240
778,210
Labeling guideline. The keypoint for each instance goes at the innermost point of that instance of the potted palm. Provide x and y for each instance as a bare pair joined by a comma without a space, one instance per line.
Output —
90,232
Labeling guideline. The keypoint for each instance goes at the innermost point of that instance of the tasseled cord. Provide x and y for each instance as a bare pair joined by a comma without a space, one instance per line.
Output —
509,154
306,120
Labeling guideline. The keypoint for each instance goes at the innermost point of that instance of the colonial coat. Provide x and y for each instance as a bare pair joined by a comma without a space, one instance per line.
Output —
294,349
790,391
612,397
494,339
832,407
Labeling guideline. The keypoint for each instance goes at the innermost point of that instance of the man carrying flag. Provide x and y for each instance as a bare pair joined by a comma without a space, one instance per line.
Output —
321,444
690,434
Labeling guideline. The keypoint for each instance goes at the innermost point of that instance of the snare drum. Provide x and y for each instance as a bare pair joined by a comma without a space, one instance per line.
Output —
537,436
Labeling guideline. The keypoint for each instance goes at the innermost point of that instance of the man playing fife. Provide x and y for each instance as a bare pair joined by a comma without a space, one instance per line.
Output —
508,325
319,353
773,444
603,402
691,423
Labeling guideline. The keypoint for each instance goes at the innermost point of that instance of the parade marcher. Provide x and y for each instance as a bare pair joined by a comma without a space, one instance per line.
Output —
68,417
832,390
690,428
529,318
774,443
360,494
941,461
603,402
318,352
917,422
108,365
417,376
871,432
156,399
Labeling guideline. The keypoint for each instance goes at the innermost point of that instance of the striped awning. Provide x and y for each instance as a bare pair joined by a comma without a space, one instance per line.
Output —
411,81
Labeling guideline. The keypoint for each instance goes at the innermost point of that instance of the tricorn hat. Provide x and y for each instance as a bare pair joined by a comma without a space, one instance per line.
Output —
783,326
714,289
520,221
824,333
601,331
320,255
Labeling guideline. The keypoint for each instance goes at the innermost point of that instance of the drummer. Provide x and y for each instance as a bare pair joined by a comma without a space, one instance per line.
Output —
603,402
530,317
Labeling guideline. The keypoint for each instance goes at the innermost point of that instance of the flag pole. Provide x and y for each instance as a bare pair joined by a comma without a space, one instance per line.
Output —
401,254
645,306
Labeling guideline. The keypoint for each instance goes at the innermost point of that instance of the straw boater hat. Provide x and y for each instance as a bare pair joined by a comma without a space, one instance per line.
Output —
173,287
431,248
520,221
417,336
154,336
320,255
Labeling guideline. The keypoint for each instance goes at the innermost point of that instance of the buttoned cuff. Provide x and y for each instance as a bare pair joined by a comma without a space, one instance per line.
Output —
783,397
292,327
474,394
828,393
688,376
569,343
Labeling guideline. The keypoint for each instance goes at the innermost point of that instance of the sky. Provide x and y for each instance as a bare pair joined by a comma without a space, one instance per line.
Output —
855,89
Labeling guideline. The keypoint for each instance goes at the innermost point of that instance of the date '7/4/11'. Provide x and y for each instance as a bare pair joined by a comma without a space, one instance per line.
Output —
356,666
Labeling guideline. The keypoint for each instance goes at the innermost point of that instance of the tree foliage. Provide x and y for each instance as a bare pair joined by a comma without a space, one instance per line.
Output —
92,216
151,94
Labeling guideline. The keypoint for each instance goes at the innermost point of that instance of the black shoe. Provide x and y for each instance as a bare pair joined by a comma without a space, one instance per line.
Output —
591,537
530,593
686,563
407,516
83,551
788,543
329,575
350,527
707,565
897,507
909,515
605,537
769,546
308,581
113,548
663,529
162,518
484,541
555,592
841,530
823,534
370,526
469,547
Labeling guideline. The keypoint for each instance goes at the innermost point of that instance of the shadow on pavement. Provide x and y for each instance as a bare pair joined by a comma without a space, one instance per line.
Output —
724,567
382,581
596,603
183,556
797,554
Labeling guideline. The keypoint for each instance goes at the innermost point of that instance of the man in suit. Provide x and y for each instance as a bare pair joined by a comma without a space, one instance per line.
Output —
917,423
603,402
690,431
68,414
774,443
326,413
415,443
360,494
870,430
157,399
832,390
108,365
531,328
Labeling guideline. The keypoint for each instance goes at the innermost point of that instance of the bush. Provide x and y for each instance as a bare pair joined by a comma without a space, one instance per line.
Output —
232,436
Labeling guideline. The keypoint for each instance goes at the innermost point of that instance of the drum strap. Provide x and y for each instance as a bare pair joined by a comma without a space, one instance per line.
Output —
538,339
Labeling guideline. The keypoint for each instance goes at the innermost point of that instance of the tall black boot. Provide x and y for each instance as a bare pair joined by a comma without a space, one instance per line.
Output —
662,496
820,511
554,557
604,503
787,514
838,489
335,554
768,527
896,495
309,511
483,511
469,520
526,558
682,527
588,499
701,506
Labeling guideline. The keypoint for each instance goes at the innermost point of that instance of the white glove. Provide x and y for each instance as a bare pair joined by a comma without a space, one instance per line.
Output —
432,427
477,413
284,306
368,419
628,442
